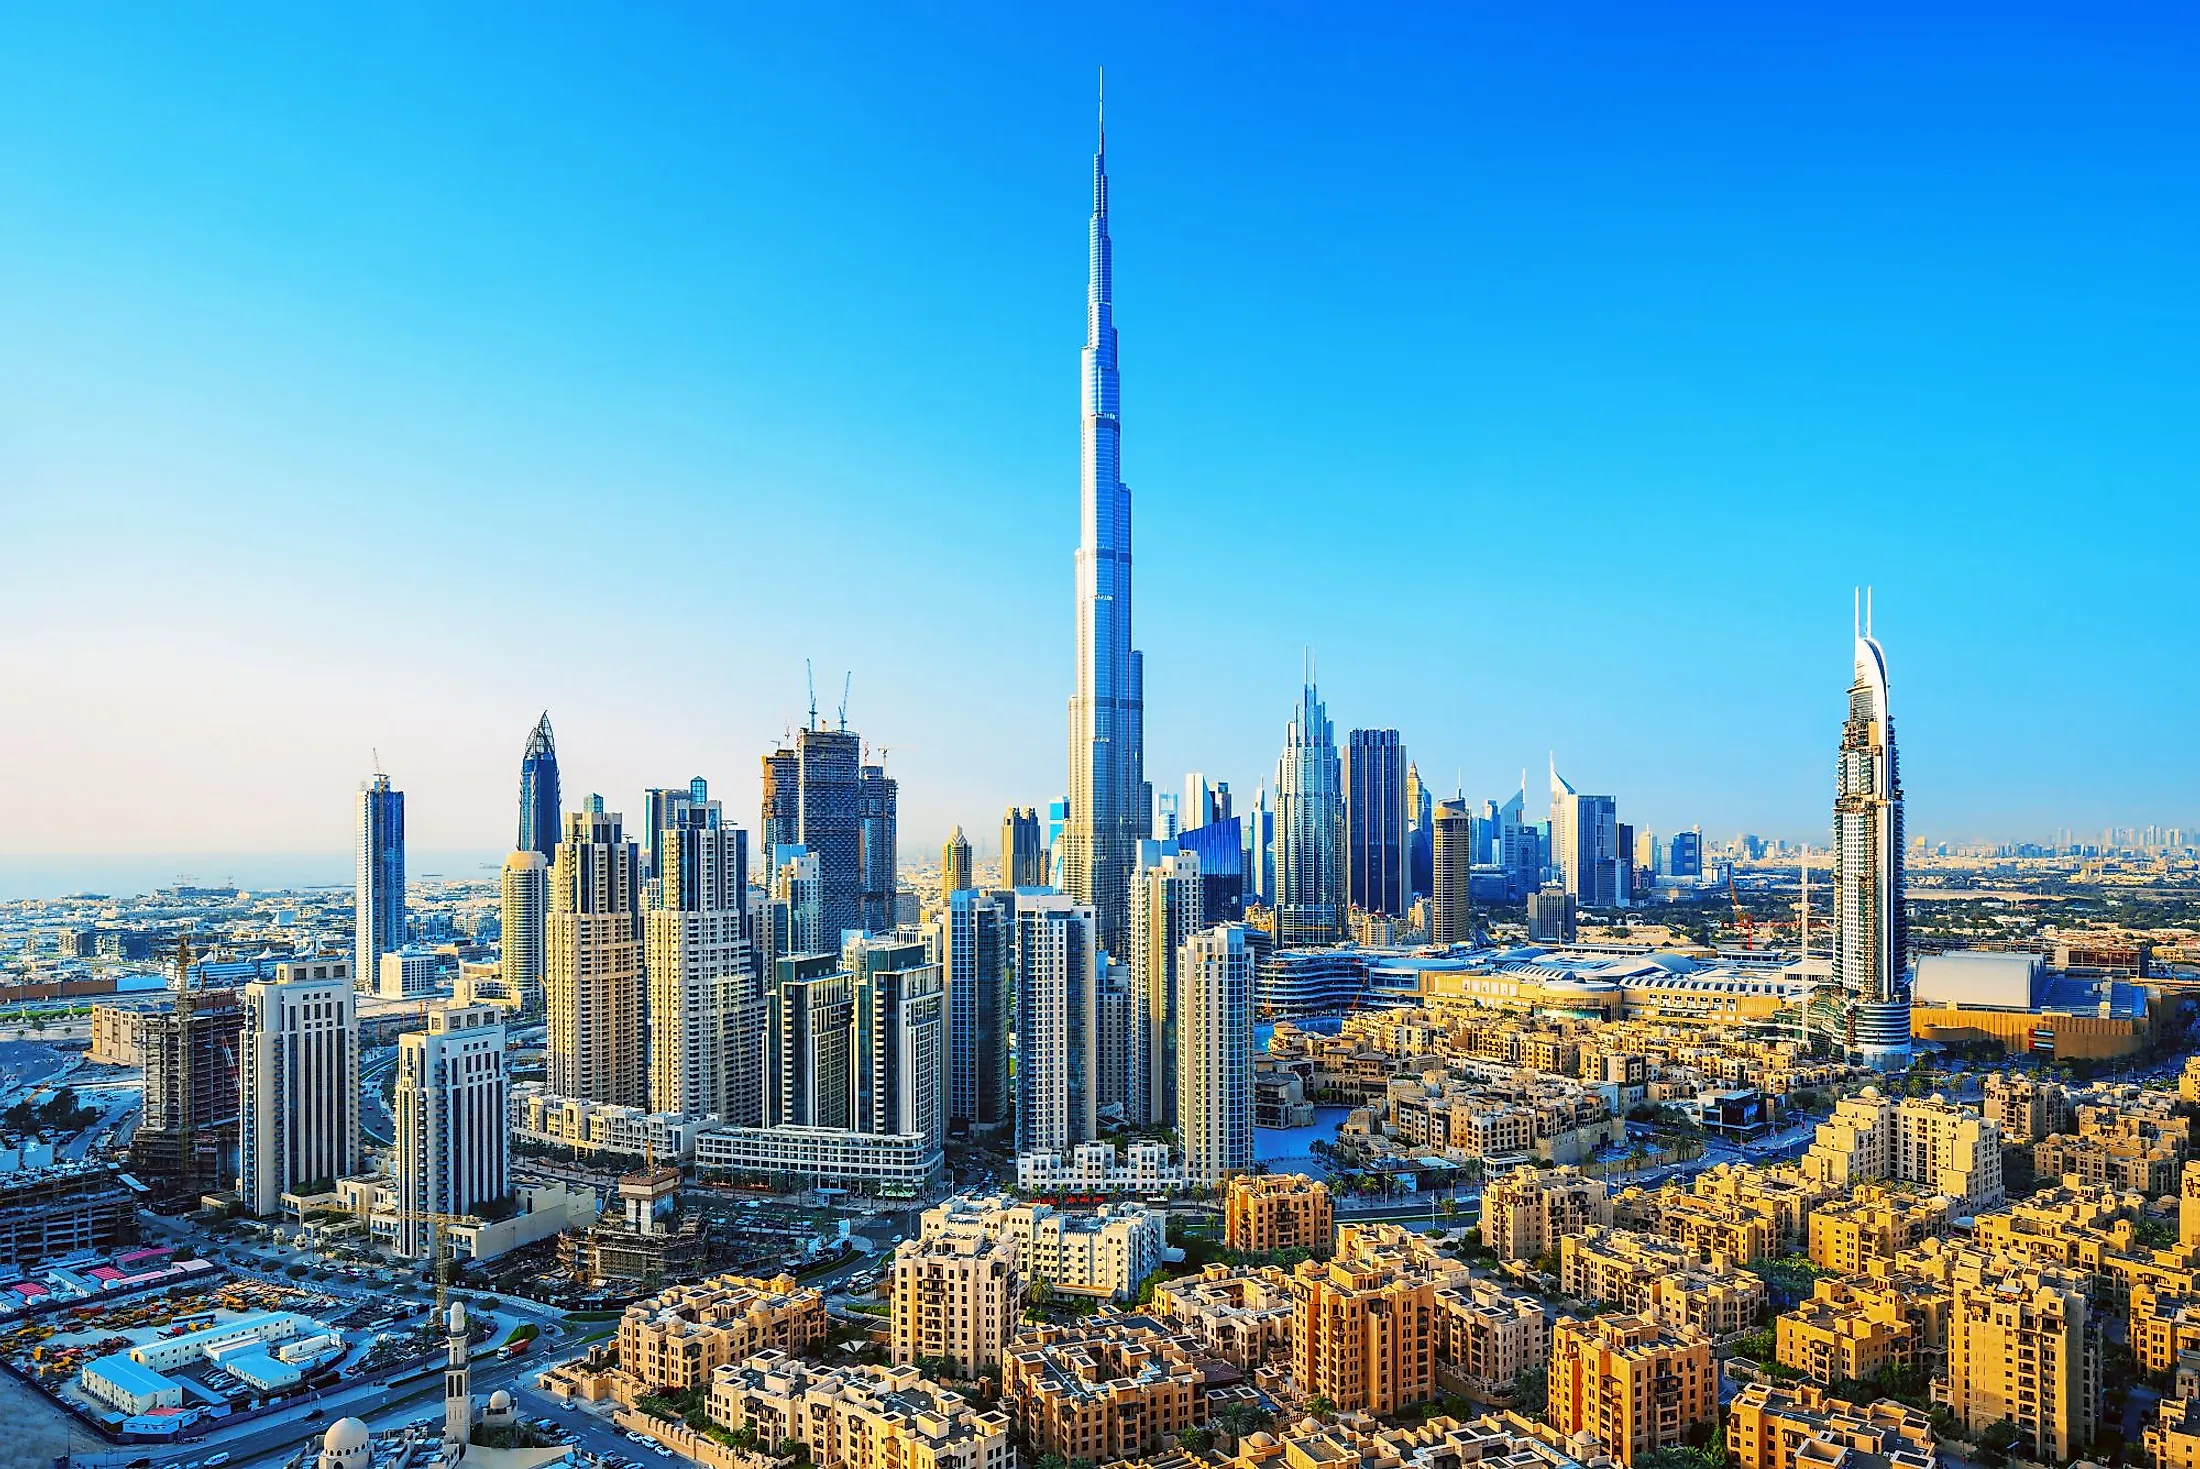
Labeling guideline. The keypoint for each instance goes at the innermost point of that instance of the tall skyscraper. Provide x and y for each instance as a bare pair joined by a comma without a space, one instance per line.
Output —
898,1055
1685,856
976,959
816,1003
1451,905
1167,898
794,913
706,1007
1585,845
1871,925
380,911
955,864
187,1142
454,1150
1215,1055
1023,850
1108,795
878,871
1260,850
1166,820
525,891
813,798
538,792
661,810
592,984
1420,835
1376,815
299,1092
1057,1022
1310,900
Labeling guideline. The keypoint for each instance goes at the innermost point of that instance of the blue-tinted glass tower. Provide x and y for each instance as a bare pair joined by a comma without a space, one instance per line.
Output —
538,792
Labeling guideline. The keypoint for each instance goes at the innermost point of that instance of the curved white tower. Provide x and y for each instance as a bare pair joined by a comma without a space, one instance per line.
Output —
1108,806
1871,931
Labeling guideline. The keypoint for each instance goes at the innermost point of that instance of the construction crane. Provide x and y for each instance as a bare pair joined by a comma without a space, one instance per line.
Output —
439,1247
1741,914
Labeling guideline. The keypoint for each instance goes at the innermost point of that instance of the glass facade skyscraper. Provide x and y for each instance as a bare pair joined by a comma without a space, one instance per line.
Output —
1376,815
814,799
380,914
538,792
1871,926
1108,795
1310,899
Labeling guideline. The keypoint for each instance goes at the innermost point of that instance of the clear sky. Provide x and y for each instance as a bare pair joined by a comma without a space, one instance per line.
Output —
372,378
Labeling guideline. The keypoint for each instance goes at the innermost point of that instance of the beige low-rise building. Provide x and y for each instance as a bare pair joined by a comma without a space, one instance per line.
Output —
674,1341
858,1416
1662,1279
1930,1142
1847,1236
1853,1329
1243,1316
1105,1390
1487,1335
1268,1212
1770,1426
1528,1211
1104,1252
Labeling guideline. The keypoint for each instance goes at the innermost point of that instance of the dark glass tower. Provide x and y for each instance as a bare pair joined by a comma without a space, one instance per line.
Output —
538,792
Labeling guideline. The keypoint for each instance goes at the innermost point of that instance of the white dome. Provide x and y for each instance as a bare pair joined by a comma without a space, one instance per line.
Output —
500,1401
345,1436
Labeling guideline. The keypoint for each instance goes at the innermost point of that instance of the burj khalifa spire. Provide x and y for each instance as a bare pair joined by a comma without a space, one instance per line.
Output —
1109,807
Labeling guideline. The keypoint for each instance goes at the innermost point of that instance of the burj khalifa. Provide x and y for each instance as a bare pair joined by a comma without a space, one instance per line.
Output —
1108,802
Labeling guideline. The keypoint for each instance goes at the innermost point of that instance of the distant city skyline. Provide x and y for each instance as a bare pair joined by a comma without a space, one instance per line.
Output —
1729,371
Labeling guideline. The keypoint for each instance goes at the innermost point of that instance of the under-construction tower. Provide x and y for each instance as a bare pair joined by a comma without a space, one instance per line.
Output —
187,1143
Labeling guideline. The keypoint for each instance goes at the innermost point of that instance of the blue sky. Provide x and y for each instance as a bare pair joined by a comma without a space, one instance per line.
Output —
372,379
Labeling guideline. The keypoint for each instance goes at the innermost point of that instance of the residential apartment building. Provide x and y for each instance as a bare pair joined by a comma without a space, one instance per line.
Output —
1366,1324
676,1341
1526,1212
1105,1253
2023,1345
1771,1426
957,1297
592,980
1661,1279
454,1145
1487,1335
299,1096
1243,1317
862,1417
1105,1391
1926,1141
1630,1383
1849,1236
1266,1212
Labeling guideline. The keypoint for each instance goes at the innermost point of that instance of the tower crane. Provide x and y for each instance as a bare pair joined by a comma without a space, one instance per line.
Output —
439,1246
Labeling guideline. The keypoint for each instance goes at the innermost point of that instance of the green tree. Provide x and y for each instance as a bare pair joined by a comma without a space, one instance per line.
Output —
1531,1390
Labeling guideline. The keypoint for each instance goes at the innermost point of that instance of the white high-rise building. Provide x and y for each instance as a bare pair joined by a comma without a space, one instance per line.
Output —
1165,911
1215,1055
1109,799
380,903
298,1083
1057,1022
592,984
525,890
706,1003
1871,927
453,1142
898,1055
